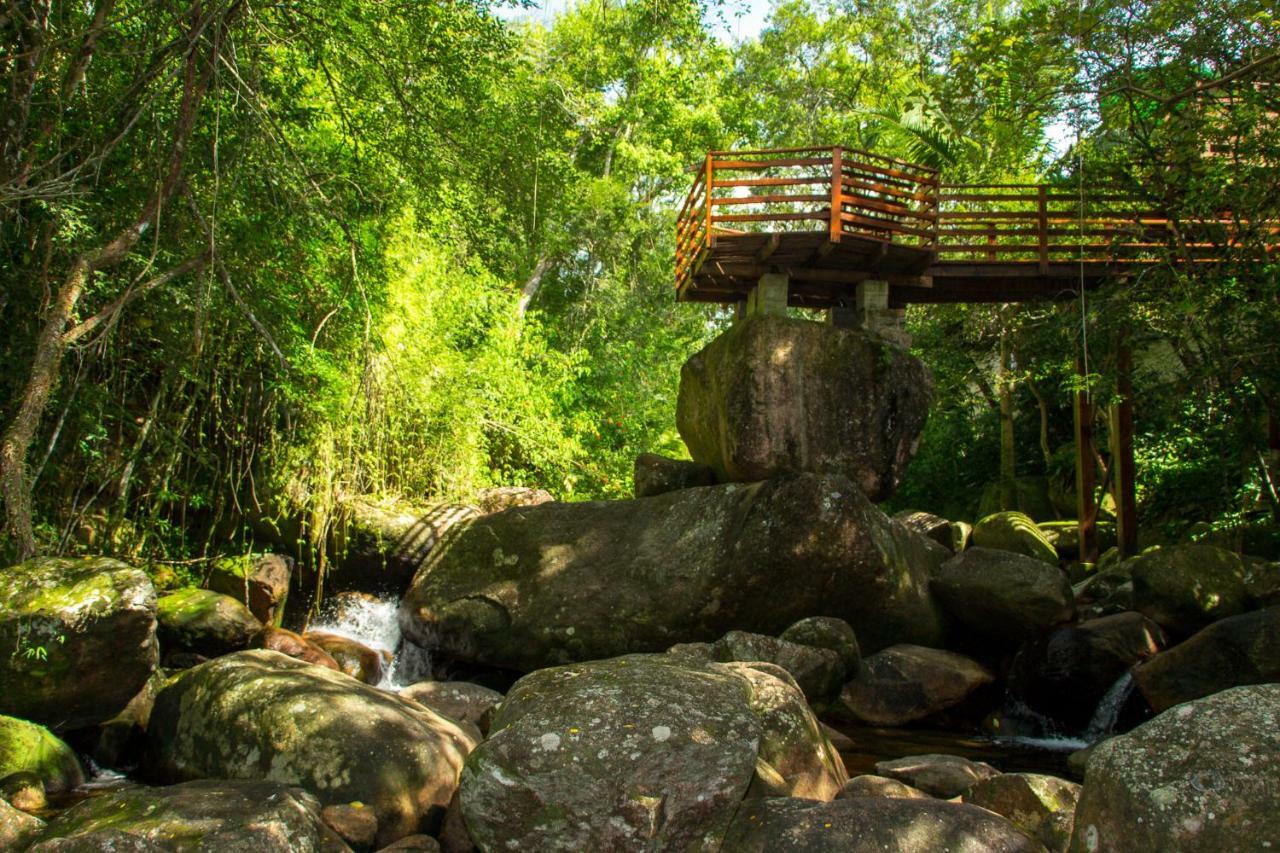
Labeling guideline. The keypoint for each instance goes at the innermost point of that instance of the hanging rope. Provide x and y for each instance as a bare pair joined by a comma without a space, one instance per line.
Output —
1079,123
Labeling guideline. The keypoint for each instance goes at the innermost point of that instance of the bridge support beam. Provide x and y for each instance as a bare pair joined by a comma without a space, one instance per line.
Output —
871,312
769,297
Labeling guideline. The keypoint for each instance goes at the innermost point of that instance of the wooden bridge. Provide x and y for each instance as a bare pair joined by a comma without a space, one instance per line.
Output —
830,218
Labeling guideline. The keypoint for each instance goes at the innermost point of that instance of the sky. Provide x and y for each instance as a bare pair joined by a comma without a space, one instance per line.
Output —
742,19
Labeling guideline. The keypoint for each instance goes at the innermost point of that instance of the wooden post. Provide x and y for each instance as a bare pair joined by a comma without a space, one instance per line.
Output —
1086,473
837,193
1042,226
711,239
1122,453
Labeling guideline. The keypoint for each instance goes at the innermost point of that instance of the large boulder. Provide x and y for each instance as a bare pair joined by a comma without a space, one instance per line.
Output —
205,622
79,639
1016,532
775,396
457,700
904,683
215,814
1241,650
1003,595
1029,800
1185,587
657,475
543,585
872,825
641,752
819,672
1199,777
1065,674
927,524
32,750
262,715
825,632
871,785
939,775
260,583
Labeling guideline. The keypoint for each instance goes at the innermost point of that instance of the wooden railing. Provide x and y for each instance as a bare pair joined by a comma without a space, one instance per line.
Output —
837,190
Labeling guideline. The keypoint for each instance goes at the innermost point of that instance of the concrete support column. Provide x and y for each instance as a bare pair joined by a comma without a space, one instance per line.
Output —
871,308
769,297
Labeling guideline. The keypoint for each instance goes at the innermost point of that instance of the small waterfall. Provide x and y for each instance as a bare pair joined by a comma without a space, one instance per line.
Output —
374,622
1105,717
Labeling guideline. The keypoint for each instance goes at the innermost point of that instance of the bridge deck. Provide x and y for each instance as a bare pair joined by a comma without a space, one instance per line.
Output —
830,218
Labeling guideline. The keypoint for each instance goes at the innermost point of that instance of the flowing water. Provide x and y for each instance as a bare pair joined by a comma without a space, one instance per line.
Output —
374,622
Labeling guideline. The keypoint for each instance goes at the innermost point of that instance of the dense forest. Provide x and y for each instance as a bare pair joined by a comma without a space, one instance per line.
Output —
258,257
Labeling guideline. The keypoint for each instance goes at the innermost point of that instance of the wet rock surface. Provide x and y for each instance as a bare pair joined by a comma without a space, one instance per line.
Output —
905,683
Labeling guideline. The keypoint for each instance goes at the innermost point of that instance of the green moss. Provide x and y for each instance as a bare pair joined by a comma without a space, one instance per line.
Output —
28,748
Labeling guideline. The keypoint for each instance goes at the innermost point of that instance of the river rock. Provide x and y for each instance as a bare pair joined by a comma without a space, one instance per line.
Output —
28,748
657,475
871,785
205,622
260,583
1241,650
499,498
904,683
1106,592
17,828
259,714
286,642
1065,674
1262,583
1015,532
1185,587
774,396
942,776
215,814
355,823
559,582
1199,777
640,752
1002,594
930,526
79,639
872,825
1026,799
826,632
819,672
457,700
354,658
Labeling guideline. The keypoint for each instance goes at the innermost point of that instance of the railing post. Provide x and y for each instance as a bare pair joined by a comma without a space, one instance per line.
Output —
711,240
837,193
1043,229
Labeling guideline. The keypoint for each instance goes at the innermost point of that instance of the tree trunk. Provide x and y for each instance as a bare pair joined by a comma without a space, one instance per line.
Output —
1008,481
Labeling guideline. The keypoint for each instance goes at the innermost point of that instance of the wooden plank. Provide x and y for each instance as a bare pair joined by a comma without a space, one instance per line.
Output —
834,205
770,182
769,199
771,164
769,217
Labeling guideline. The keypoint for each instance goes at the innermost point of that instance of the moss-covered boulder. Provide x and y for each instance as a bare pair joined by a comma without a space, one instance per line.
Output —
205,622
79,639
28,748
1032,497
872,825
1028,800
222,815
905,683
640,752
549,584
1003,595
1016,532
1200,777
1241,650
927,524
259,582
262,715
1185,587
819,672
774,396
826,632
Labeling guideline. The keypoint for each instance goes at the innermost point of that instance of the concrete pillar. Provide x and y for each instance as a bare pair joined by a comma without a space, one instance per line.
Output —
871,308
769,297
843,317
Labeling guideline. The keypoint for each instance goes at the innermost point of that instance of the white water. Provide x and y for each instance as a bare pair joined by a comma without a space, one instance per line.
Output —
374,622
1104,719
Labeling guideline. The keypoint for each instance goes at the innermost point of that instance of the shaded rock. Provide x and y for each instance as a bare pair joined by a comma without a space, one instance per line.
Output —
214,814
1055,830
1241,650
286,642
657,475
24,790
79,639
639,752
1262,583
840,741
1199,777
354,823
928,525
500,498
17,828
1002,594
942,776
260,583
576,581
28,748
1027,800
1032,496
260,714
872,825
698,651
1064,536
870,785
905,683
818,672
381,543
1185,587
1014,532
826,632
454,836
415,844
773,396
1106,592
457,700
205,622
354,658
1065,674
